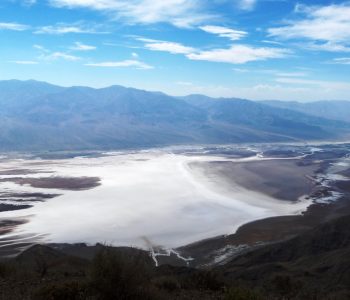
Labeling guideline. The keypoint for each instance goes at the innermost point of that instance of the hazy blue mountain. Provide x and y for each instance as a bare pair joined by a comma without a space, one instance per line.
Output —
40,116
335,110
282,121
12,92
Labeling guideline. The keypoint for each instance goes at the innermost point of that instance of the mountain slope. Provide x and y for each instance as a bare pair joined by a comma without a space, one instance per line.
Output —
317,263
335,110
40,116
16,92
271,119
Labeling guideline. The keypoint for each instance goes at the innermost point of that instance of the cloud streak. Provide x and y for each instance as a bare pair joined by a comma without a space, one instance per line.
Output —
82,47
122,64
60,29
165,46
46,54
13,26
25,62
180,13
247,4
239,54
225,32
342,60
327,26
236,54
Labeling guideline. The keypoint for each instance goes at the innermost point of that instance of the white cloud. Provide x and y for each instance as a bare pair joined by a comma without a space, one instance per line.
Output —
321,83
240,70
292,74
247,4
41,48
82,47
181,13
25,62
46,54
171,47
329,46
59,55
68,28
224,32
271,42
342,60
298,81
134,55
329,25
239,54
236,54
122,64
13,26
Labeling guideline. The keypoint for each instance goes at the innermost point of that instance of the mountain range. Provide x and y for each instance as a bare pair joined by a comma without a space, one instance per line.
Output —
335,110
40,116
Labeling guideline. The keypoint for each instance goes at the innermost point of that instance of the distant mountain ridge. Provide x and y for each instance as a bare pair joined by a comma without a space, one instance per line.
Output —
331,109
40,116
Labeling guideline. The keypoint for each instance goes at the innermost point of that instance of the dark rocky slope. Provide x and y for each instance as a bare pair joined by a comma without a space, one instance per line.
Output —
314,265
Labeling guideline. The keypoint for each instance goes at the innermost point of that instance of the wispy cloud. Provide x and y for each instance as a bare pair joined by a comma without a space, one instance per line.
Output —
181,13
46,54
25,62
60,55
14,26
322,83
271,42
327,26
236,54
226,32
63,28
342,60
246,4
122,64
166,46
329,46
82,47
240,70
239,54
292,74
41,48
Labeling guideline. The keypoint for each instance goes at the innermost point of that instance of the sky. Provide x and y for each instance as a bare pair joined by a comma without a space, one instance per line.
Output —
253,49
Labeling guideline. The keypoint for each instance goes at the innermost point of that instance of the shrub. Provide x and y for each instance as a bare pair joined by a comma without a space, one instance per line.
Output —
205,280
285,285
4,271
168,283
239,293
61,291
116,275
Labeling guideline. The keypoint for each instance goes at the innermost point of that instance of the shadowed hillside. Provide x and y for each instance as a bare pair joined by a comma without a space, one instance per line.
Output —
314,265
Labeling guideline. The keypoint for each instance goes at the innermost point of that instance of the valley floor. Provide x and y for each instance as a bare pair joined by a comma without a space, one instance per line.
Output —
162,199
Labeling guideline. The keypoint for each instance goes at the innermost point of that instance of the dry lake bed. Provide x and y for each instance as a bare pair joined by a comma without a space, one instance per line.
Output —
170,197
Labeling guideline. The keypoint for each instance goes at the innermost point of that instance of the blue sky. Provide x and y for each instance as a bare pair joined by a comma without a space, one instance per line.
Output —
255,49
